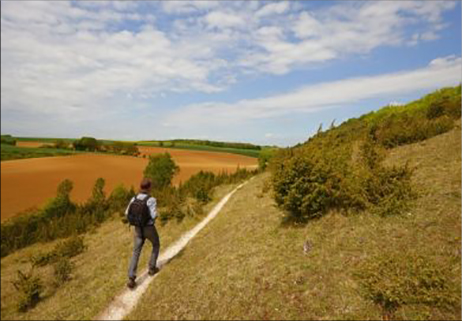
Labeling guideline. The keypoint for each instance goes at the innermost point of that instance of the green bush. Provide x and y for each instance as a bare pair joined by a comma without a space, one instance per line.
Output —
200,186
264,157
65,249
161,169
8,139
62,270
119,198
70,247
61,144
57,219
87,144
341,168
123,148
327,174
42,259
393,280
30,288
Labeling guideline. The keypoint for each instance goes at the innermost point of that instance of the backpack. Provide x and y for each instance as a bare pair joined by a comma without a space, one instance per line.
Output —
139,213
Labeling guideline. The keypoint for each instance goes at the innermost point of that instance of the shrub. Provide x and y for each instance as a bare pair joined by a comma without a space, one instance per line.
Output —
65,249
62,270
161,169
29,287
341,168
8,139
61,144
200,186
87,143
264,157
71,247
42,259
392,280
327,174
119,198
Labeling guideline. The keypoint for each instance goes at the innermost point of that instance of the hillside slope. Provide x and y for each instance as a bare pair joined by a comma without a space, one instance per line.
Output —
100,272
245,265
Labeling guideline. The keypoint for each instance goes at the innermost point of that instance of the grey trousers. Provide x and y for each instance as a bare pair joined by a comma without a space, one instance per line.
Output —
141,234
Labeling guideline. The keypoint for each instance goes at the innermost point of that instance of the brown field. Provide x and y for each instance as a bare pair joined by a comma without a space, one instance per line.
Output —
30,144
30,182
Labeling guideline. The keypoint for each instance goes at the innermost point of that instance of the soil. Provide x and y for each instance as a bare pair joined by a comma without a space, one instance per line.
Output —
29,183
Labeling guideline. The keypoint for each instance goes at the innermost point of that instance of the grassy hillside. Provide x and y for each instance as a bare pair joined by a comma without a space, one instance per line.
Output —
376,234
100,272
258,269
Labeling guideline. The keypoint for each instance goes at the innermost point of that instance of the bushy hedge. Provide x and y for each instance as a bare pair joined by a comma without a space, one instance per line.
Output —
123,148
8,139
417,121
188,198
29,289
341,169
68,248
60,217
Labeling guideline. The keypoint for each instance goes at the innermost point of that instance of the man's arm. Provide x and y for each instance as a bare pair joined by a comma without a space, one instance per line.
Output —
152,204
131,201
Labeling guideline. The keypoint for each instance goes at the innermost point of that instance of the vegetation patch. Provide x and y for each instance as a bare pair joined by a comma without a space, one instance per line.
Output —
393,280
341,168
29,289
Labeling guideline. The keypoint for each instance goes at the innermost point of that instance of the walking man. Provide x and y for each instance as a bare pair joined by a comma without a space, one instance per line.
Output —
142,212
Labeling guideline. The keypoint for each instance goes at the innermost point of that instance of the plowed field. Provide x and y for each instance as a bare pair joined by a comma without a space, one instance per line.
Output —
28,183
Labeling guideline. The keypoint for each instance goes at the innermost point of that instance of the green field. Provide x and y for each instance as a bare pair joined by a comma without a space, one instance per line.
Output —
166,144
246,152
10,152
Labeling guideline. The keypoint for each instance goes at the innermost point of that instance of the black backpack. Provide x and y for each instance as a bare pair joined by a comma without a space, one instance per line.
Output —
139,213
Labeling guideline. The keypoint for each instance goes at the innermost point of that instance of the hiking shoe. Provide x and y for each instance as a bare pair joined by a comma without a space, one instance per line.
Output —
131,283
153,271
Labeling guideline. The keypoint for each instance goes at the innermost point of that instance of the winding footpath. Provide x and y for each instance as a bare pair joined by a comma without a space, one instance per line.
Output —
124,303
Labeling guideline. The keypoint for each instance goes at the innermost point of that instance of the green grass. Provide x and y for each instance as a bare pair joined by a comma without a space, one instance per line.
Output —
245,265
100,272
44,140
246,152
9,152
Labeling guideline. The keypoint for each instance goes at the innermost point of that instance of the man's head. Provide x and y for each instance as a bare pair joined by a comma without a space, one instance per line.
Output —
145,185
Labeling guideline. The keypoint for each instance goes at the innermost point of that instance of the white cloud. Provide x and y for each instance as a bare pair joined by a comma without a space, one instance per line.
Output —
76,59
62,59
440,72
217,19
187,6
273,8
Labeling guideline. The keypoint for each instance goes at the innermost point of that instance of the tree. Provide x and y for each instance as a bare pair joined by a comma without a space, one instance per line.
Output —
87,143
161,169
60,144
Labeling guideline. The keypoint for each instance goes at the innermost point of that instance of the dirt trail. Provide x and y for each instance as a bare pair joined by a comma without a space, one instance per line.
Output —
124,303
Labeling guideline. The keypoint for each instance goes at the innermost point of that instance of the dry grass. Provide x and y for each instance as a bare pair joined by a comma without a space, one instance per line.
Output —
245,265
100,272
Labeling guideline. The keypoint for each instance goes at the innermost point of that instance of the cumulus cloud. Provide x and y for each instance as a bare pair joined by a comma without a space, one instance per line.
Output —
445,71
75,59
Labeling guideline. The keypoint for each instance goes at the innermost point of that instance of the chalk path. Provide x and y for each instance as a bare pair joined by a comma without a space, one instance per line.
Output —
124,303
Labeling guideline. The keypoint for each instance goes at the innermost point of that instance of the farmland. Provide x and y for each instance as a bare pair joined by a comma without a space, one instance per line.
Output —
10,152
32,181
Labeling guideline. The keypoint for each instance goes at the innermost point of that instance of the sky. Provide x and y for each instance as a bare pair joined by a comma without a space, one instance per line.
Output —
263,72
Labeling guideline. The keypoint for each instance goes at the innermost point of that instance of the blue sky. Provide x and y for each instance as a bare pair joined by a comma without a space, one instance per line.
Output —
265,72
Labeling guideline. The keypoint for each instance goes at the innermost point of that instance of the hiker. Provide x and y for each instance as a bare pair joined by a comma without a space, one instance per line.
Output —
141,212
